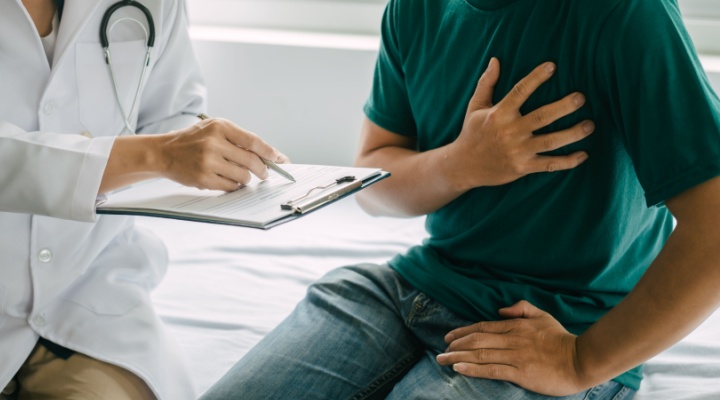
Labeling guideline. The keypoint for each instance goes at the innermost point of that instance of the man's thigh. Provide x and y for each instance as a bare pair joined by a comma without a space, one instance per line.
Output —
46,376
430,322
428,380
346,339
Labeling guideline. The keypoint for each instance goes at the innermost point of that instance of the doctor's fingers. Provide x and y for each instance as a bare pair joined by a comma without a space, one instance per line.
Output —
219,174
240,157
282,158
218,182
237,174
242,138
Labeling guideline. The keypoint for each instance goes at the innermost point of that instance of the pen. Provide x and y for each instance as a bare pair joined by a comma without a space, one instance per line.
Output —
268,163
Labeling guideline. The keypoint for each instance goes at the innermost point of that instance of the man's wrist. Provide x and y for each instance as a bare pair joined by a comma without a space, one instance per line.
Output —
588,367
451,167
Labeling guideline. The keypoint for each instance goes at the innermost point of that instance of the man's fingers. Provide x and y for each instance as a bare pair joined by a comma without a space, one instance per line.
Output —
496,372
522,309
481,341
550,113
485,89
480,327
476,356
528,85
556,140
556,163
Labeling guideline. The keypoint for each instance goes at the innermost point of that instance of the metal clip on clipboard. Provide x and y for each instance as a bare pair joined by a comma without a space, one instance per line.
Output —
306,203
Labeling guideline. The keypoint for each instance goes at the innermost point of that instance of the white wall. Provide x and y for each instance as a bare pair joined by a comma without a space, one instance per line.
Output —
714,75
304,99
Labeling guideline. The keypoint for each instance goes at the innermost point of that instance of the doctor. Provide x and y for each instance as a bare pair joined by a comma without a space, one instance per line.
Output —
76,320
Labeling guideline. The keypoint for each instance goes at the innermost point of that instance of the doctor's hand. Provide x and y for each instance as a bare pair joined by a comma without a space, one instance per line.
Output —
215,154
212,154
497,145
530,349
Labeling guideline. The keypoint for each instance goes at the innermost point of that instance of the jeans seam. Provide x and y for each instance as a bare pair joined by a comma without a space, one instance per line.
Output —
378,383
622,394
592,392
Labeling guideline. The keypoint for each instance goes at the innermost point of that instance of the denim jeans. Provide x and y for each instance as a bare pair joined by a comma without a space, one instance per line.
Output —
363,332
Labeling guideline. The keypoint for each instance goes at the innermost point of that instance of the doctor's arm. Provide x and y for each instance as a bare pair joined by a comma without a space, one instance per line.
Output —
677,293
212,154
496,146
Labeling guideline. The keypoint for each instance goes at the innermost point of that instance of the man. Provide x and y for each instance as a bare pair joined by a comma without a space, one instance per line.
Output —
531,283
76,319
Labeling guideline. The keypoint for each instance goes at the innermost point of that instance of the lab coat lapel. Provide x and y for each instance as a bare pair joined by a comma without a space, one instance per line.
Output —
76,14
19,34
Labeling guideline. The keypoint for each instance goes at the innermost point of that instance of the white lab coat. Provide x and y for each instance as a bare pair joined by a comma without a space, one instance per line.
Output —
78,279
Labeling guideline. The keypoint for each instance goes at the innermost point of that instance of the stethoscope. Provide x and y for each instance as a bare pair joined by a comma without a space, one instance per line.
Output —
106,48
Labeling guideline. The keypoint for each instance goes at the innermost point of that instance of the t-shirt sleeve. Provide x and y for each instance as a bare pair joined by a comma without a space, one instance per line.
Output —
659,97
389,103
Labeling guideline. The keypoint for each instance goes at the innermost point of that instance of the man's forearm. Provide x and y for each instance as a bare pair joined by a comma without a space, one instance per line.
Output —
677,293
420,183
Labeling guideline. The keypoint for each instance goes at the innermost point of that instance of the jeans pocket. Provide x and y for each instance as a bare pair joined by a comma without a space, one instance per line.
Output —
610,390
422,308
625,393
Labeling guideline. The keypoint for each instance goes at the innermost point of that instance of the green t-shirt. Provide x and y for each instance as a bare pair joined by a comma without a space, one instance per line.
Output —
573,243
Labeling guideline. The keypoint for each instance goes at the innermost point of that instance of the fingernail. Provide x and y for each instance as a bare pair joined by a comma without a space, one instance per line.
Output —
582,157
550,67
442,357
449,338
589,127
460,367
579,99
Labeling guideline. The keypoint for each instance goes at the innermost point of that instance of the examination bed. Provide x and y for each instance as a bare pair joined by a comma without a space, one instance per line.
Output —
227,287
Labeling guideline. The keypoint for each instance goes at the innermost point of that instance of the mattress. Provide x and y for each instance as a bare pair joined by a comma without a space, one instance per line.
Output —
227,287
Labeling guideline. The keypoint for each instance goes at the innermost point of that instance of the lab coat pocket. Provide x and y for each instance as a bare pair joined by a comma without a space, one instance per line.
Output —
99,109
107,291
123,275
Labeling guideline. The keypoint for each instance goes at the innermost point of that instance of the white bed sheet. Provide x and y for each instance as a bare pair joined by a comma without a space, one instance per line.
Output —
227,287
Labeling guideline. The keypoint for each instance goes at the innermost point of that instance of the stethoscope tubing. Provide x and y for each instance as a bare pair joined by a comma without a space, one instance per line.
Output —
150,35
126,3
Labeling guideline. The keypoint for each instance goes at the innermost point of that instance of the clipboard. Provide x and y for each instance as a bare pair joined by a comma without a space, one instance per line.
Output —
261,204
337,189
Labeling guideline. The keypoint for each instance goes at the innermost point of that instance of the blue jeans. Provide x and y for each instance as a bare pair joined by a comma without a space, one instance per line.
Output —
363,332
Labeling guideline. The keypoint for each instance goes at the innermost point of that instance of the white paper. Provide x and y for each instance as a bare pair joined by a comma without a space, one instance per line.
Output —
256,204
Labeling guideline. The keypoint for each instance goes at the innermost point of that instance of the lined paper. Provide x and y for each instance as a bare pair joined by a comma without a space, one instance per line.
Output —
255,204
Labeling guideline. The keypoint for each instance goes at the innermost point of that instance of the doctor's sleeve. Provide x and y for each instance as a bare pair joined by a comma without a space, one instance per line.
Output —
659,97
175,91
50,174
